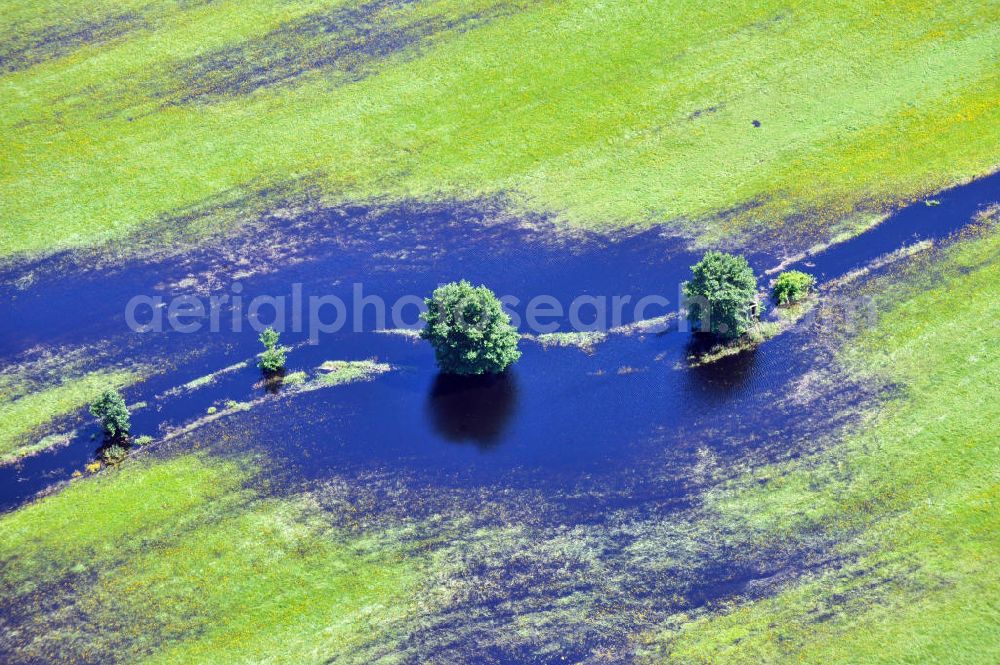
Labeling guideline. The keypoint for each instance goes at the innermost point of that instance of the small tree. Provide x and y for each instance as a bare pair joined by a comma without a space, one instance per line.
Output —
110,409
269,338
273,358
722,294
469,330
792,286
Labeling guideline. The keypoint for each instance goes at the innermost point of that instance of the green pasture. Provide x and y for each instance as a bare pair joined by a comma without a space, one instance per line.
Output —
602,114
184,561
912,498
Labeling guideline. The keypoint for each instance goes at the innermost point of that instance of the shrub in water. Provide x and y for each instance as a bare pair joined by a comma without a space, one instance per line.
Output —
110,409
722,294
792,286
469,330
114,454
273,358
269,338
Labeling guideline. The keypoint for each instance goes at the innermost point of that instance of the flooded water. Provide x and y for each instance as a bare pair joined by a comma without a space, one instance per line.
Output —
618,428
624,414
933,219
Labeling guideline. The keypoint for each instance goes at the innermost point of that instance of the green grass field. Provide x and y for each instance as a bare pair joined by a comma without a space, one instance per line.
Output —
734,124
603,114
156,553
913,499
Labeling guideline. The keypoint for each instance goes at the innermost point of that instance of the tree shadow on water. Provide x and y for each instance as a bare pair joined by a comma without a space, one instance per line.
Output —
273,381
722,375
473,409
113,449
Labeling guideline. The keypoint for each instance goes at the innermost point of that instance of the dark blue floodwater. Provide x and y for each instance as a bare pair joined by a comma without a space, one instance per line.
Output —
622,415
935,219
595,434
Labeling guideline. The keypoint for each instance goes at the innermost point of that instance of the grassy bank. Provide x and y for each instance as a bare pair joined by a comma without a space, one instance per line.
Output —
182,562
605,113
21,419
912,499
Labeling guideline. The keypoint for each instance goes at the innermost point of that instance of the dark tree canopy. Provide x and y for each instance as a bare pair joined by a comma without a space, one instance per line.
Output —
469,330
110,409
721,294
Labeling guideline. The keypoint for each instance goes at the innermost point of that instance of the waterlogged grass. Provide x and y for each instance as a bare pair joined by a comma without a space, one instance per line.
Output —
184,561
207,379
294,378
585,341
331,373
180,561
589,341
339,372
96,518
714,118
783,318
45,443
912,499
22,419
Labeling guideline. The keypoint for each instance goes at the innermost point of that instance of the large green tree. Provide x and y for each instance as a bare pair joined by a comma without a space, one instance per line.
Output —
721,294
469,330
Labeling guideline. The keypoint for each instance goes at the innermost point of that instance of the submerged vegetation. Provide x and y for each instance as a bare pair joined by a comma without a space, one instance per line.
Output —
114,453
206,380
227,572
294,378
907,499
202,568
585,341
339,372
845,510
224,568
331,373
